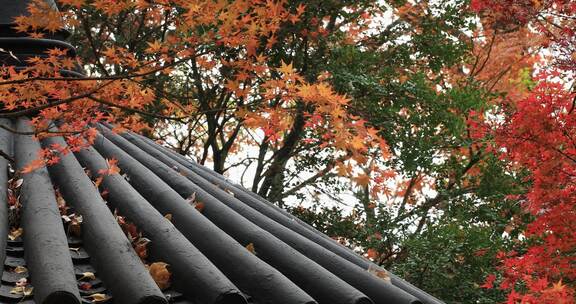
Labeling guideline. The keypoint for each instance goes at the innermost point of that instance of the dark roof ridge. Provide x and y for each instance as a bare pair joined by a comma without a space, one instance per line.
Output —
167,243
286,219
236,249
127,277
253,275
45,247
374,287
321,284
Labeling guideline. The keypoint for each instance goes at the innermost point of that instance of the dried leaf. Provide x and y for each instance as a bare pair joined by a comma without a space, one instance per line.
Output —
74,228
20,269
141,248
85,286
112,167
168,217
381,273
250,247
97,297
161,275
15,233
191,198
22,282
18,183
88,276
230,192
21,290
199,206
132,230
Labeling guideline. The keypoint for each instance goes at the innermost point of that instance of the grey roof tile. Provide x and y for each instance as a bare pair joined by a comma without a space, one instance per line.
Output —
206,249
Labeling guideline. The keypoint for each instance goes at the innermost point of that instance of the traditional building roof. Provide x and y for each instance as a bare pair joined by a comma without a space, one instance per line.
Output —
79,232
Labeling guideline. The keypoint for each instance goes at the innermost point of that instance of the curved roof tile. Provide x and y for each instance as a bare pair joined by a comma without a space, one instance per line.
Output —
237,248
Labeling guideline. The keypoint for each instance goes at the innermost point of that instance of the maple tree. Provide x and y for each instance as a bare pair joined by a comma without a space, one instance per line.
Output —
539,137
217,70
537,134
389,99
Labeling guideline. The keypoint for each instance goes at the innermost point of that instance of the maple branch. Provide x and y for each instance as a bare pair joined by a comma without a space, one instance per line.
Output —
440,197
30,111
128,109
47,130
330,195
113,77
483,65
550,147
93,48
407,195
573,105
430,203
314,177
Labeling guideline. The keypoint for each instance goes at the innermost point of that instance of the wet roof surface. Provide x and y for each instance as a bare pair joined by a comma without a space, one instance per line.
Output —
221,242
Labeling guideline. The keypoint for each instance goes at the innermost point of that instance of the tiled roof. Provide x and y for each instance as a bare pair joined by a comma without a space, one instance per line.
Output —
223,244
74,243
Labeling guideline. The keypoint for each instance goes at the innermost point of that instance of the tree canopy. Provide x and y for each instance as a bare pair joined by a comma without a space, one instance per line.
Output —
433,137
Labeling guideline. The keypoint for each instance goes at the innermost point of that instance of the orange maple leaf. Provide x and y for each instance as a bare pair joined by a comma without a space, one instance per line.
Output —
362,179
112,167
161,275
286,69
33,165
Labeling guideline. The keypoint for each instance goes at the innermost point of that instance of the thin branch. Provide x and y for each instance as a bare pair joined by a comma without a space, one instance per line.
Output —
53,104
7,157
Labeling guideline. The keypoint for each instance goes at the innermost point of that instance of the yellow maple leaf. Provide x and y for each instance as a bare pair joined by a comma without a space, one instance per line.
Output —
286,69
357,143
154,47
362,179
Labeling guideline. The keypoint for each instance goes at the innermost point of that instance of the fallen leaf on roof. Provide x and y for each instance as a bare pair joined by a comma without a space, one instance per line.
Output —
191,198
22,282
88,276
199,206
168,216
141,248
15,233
85,286
22,290
74,227
382,274
112,167
97,297
250,247
161,275
20,269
